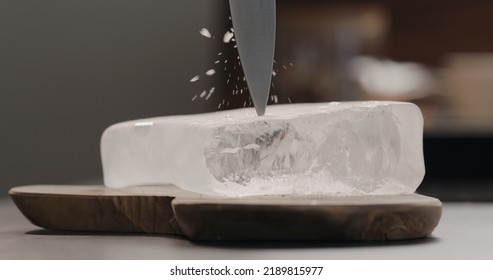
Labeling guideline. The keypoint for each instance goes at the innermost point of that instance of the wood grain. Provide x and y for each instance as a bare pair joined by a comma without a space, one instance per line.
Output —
365,218
99,209
169,210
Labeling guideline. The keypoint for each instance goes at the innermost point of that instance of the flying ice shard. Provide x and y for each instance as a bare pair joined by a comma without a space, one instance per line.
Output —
350,148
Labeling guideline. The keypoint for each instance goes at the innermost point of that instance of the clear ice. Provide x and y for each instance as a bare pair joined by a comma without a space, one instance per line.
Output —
349,148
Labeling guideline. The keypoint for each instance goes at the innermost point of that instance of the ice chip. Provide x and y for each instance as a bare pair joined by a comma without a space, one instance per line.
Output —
206,33
228,36
203,94
346,148
211,91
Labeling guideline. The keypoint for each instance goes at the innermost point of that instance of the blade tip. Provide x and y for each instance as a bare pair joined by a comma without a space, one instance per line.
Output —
260,111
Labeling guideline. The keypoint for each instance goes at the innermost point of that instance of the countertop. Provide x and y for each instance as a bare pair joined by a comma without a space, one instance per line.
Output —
465,232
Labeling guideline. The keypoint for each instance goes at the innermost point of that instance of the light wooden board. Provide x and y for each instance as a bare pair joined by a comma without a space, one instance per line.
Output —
169,210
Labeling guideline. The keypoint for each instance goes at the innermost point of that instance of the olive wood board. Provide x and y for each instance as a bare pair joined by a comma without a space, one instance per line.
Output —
170,210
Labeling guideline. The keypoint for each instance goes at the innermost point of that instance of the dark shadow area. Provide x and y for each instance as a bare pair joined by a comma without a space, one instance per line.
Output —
49,232
458,167
273,244
460,190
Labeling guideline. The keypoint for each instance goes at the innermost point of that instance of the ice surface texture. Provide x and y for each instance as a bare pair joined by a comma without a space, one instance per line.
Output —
349,148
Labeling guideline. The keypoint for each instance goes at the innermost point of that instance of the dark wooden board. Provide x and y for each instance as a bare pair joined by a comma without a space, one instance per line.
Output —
100,209
368,218
169,210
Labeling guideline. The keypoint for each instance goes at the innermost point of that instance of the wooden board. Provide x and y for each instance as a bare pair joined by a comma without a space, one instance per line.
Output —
100,209
169,210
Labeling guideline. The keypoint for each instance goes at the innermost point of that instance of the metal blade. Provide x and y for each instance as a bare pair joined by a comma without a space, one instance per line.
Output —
254,23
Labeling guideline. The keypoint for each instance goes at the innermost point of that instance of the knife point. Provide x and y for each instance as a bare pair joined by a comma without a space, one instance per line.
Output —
260,111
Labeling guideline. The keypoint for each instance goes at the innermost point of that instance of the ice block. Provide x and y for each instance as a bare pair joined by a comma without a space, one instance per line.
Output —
347,148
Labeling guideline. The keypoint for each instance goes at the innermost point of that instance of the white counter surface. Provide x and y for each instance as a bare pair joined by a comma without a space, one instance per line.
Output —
465,232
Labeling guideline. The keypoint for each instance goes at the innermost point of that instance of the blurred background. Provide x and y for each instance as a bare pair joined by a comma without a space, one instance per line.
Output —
69,69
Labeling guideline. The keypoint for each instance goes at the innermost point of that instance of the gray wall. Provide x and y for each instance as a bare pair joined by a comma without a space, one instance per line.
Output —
68,69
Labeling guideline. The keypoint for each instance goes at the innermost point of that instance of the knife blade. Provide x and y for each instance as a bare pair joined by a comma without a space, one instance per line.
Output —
254,24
